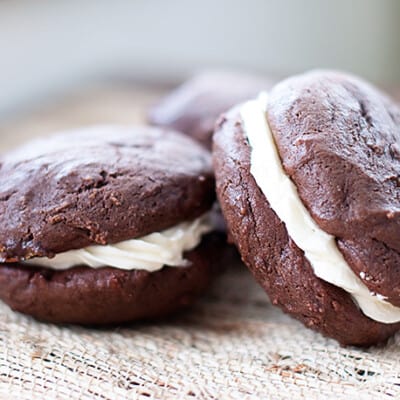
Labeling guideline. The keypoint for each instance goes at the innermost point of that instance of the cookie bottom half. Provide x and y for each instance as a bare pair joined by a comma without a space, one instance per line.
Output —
85,295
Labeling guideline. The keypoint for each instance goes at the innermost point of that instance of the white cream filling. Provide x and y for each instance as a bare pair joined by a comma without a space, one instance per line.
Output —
150,252
319,247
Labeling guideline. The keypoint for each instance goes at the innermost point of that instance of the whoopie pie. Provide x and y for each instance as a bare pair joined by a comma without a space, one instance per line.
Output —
194,106
308,177
106,224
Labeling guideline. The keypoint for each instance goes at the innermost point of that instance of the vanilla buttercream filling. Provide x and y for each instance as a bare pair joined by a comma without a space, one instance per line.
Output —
150,252
319,247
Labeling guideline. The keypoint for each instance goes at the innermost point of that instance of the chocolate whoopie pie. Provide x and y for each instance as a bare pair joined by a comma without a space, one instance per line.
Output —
194,106
106,225
308,180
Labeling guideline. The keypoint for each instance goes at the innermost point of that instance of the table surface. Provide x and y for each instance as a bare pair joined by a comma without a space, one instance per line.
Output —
231,344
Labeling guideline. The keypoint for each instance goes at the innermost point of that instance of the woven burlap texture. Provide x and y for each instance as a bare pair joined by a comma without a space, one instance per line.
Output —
232,345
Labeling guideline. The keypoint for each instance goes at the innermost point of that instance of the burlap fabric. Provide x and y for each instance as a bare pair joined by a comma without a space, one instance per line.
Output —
232,344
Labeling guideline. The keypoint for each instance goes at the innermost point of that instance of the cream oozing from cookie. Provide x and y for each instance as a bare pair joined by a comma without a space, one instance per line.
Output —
150,252
319,247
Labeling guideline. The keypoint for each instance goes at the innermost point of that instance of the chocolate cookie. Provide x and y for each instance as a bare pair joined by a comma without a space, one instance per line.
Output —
106,225
194,107
307,178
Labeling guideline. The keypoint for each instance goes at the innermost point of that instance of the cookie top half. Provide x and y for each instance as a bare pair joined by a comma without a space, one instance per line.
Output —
339,142
99,185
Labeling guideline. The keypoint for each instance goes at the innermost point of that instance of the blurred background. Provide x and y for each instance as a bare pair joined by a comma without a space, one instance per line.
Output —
52,50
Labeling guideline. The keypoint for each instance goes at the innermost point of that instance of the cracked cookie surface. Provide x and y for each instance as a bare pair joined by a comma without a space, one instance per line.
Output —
97,186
